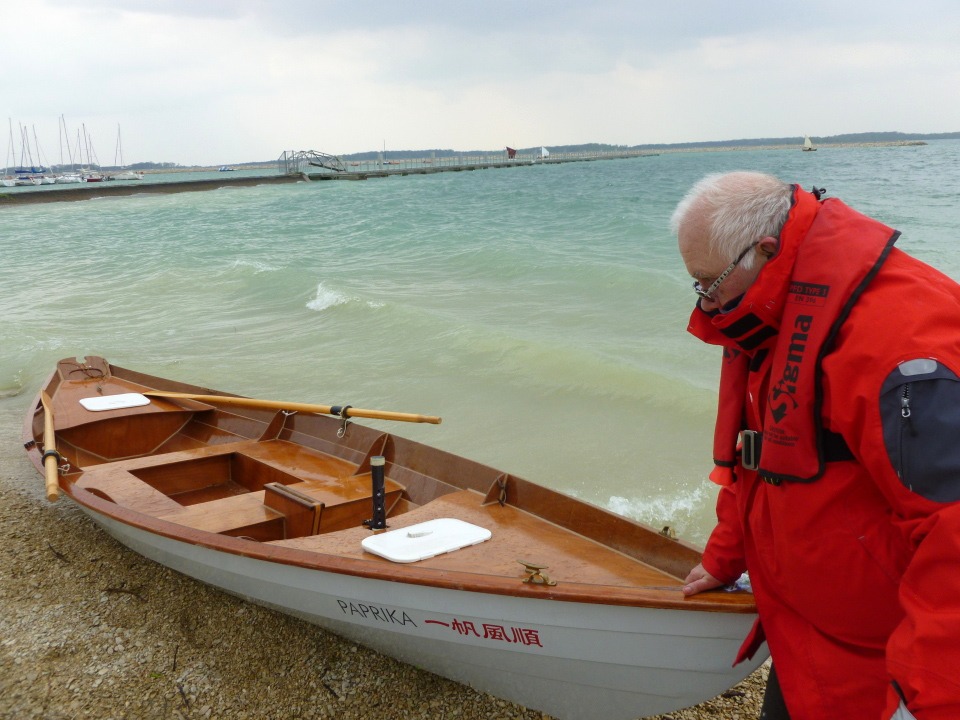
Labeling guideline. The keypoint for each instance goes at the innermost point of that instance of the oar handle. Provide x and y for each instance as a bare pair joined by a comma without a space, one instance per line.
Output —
51,471
339,411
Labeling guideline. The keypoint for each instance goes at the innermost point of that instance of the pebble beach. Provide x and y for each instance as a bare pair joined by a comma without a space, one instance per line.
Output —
89,629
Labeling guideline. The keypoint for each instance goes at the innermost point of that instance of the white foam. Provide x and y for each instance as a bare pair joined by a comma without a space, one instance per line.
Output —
258,266
326,298
663,506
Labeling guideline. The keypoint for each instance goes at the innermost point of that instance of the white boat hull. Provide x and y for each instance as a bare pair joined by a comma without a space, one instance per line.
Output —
571,660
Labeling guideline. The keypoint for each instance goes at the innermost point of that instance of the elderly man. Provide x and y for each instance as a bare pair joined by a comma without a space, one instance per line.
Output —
837,446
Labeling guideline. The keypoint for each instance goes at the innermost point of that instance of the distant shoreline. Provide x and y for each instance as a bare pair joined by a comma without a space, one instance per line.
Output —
643,151
824,146
408,166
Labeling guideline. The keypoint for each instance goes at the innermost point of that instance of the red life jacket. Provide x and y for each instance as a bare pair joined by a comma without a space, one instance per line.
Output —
853,576
792,314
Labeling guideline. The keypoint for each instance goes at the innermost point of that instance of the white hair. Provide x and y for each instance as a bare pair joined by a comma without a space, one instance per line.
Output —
738,208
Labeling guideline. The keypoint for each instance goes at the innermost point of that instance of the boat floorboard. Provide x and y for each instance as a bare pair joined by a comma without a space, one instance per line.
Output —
516,536
225,514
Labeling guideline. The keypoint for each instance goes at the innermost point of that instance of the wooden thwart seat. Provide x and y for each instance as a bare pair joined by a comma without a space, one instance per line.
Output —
302,511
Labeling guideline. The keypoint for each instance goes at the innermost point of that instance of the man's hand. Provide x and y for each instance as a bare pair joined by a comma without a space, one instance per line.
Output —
699,580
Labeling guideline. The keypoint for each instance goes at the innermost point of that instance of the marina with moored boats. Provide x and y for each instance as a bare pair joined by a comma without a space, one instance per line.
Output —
301,166
33,169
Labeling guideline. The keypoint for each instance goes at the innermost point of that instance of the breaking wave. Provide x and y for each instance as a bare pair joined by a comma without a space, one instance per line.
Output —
326,298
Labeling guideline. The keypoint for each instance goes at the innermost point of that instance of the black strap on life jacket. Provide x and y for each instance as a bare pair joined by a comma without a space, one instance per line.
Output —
835,449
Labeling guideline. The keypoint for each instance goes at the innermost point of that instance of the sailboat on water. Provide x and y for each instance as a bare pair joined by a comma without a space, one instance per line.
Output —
8,179
89,174
807,144
65,176
125,173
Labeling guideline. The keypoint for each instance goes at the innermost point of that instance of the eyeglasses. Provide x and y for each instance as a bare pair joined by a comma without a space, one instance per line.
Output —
708,293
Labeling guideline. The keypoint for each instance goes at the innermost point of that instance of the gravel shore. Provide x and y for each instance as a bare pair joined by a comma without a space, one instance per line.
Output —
89,629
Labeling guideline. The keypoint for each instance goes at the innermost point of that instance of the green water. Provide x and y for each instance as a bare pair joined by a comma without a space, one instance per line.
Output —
539,310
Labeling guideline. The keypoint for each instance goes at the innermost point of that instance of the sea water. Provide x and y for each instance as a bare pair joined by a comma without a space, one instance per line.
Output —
540,310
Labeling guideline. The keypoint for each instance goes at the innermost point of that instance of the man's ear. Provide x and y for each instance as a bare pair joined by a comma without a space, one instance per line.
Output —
768,246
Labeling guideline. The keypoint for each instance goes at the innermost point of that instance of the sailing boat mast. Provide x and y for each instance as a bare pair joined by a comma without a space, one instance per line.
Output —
65,137
41,156
123,173
9,180
11,152
91,175
65,175
118,151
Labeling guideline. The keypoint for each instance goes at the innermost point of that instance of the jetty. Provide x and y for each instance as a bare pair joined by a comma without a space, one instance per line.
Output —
300,166
312,165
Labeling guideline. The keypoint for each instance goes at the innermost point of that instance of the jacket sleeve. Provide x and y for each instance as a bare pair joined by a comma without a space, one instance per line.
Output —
723,556
919,472
923,653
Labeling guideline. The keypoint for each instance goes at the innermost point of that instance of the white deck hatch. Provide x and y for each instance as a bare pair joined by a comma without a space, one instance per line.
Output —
424,540
114,402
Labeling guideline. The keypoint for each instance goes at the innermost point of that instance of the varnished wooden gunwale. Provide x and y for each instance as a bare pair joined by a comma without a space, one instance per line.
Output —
591,553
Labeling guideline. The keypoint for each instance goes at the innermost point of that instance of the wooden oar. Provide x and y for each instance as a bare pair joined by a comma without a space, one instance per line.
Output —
339,411
50,455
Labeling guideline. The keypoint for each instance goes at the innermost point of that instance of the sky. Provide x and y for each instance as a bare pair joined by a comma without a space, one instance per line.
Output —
210,82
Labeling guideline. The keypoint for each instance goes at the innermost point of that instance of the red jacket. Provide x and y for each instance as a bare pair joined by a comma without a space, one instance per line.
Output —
853,540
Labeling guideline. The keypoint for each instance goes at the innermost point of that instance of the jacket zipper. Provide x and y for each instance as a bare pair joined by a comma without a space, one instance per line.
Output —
906,413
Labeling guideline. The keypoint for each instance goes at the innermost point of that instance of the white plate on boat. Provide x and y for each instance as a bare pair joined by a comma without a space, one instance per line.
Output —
114,402
424,540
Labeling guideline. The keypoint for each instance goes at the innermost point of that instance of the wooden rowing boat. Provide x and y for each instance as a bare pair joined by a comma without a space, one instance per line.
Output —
480,576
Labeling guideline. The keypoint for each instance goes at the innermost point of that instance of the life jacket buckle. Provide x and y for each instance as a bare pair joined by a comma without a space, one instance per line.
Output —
750,443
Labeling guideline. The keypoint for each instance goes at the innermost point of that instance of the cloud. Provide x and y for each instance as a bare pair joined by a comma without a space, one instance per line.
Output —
233,80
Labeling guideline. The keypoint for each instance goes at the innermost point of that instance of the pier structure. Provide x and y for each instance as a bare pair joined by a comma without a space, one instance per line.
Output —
298,166
384,166
298,162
